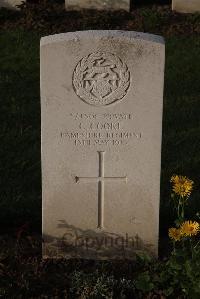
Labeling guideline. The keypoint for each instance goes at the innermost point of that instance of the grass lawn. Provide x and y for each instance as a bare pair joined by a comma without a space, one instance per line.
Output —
20,198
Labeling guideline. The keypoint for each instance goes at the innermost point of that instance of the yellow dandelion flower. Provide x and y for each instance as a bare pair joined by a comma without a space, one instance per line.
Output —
182,185
174,234
189,228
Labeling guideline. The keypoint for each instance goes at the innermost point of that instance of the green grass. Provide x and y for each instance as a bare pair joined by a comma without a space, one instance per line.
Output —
20,176
20,198
181,121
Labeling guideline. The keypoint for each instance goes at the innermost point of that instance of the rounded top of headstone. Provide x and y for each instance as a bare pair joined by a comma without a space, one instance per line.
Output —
91,34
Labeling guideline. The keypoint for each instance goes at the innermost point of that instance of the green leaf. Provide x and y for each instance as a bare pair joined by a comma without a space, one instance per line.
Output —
168,291
143,282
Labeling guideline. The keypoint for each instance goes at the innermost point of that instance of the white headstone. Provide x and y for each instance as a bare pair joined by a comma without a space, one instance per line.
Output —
98,4
101,100
186,6
11,4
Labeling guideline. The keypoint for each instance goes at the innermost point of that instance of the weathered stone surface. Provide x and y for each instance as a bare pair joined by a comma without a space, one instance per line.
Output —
186,6
11,4
98,4
101,100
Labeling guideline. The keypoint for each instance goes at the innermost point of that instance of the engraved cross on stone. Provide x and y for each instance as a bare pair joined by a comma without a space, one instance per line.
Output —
100,180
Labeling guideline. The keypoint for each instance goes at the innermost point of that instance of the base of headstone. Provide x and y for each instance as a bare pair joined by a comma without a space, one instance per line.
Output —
11,4
95,245
98,4
186,6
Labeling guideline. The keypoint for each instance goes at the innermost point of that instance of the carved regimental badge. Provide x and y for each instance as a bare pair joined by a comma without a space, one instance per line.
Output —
101,79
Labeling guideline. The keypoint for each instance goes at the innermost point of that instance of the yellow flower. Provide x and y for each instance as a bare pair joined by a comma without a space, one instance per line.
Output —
174,234
189,228
182,185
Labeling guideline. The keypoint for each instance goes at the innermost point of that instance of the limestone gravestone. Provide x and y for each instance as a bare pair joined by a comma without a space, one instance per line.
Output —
101,100
11,4
98,4
186,6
